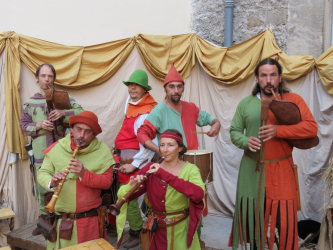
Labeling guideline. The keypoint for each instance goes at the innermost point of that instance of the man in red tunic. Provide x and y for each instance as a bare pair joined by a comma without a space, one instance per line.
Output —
137,109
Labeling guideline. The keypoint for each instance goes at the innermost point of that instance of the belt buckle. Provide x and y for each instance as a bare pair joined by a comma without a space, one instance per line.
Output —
167,220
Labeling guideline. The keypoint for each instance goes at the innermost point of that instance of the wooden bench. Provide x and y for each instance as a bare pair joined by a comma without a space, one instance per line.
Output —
6,213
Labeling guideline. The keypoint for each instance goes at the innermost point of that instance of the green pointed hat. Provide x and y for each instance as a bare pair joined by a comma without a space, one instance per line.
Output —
139,77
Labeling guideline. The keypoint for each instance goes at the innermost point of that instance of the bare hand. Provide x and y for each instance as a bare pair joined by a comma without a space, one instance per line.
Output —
47,125
133,181
153,168
76,167
214,129
56,114
56,179
253,144
267,132
127,169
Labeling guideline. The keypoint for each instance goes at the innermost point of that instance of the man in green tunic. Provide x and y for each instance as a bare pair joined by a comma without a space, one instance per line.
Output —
38,123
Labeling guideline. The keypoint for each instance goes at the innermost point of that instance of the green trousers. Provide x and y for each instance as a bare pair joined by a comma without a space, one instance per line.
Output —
39,191
133,214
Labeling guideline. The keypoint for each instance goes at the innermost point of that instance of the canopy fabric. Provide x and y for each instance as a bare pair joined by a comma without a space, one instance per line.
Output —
81,67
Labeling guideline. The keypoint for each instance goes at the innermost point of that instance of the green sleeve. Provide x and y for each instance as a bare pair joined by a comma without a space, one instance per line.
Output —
124,189
204,119
76,110
195,177
45,173
237,128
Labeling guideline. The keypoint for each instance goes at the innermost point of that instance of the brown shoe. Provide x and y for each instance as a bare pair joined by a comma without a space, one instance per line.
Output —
133,241
111,230
202,244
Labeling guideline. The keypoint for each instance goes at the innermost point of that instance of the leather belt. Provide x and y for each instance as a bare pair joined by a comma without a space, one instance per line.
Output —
41,134
90,213
268,161
171,221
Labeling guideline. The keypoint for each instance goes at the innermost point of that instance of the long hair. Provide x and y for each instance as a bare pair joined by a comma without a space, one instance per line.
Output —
281,88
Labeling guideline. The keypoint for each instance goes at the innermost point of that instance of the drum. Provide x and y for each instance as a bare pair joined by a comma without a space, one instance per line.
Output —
203,159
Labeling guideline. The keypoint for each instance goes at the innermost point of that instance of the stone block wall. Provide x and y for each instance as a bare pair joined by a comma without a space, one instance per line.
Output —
298,25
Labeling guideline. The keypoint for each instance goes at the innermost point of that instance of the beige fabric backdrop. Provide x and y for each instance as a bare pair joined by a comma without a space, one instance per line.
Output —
107,101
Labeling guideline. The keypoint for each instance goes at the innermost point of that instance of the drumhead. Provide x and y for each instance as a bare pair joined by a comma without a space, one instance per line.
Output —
198,152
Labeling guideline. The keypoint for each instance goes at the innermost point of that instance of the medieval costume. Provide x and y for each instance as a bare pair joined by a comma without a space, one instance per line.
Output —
162,117
277,202
35,110
167,194
135,114
79,195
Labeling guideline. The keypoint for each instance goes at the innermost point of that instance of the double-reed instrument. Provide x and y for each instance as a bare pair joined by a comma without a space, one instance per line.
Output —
50,206
115,208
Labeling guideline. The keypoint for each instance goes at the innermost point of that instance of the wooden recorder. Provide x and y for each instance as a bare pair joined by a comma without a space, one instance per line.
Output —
50,206
115,208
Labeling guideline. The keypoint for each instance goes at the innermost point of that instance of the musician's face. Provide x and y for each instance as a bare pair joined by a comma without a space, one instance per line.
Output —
45,77
174,91
136,91
169,149
83,134
268,79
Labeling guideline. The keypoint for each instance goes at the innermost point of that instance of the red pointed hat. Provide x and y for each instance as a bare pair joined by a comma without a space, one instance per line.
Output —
173,76
88,118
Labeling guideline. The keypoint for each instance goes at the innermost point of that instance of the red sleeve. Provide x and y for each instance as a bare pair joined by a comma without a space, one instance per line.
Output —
143,187
101,181
307,128
146,132
192,191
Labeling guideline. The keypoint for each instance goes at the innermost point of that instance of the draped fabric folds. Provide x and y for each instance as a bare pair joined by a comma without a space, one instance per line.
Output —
81,67
324,64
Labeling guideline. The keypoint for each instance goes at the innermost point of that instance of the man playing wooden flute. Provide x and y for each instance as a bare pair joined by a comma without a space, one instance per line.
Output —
37,123
138,107
272,190
173,113
89,173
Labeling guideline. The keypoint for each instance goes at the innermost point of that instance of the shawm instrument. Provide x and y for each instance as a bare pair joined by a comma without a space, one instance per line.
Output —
56,99
50,206
115,208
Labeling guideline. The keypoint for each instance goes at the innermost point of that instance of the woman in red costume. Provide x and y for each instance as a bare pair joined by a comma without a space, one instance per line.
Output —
175,191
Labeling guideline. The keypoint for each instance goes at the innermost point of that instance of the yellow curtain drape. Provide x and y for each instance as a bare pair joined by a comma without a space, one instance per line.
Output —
76,66
159,52
79,67
324,65
234,64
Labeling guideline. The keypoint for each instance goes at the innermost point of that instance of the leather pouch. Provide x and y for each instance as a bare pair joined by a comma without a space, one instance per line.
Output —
49,231
145,238
66,227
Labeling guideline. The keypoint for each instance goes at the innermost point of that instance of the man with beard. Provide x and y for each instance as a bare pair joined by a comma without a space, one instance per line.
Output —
277,201
38,123
173,113
90,172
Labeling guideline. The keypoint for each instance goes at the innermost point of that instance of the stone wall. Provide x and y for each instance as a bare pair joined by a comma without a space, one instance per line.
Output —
298,25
